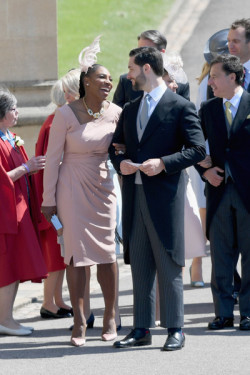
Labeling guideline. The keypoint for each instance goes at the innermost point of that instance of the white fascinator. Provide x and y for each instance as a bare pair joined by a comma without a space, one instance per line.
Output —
173,64
87,56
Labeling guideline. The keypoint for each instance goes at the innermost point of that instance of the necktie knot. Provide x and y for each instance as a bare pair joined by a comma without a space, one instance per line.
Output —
229,112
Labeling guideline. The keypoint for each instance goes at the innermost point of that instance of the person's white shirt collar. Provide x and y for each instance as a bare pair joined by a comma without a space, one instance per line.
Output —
247,65
235,100
157,92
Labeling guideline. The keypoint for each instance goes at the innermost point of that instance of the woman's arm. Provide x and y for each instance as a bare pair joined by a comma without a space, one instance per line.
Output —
32,165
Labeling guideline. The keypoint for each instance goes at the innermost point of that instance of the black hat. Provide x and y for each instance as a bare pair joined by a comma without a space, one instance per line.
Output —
216,45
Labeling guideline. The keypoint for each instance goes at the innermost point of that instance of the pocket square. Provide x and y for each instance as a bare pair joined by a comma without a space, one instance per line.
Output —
248,117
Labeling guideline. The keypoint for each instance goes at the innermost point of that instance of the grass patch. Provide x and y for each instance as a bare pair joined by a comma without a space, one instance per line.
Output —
118,21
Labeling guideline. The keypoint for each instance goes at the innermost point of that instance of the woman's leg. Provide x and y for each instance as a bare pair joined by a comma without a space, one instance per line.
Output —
196,269
107,276
58,291
117,312
49,289
203,212
7,298
87,310
76,283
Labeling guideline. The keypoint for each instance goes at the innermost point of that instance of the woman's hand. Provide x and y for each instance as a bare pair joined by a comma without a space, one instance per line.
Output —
36,163
206,163
48,212
120,148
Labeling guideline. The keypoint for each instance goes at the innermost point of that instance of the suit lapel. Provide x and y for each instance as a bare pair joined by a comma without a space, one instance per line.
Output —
167,101
242,113
134,108
219,123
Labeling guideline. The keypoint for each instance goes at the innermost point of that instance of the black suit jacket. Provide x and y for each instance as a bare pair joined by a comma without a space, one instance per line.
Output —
234,149
173,124
124,92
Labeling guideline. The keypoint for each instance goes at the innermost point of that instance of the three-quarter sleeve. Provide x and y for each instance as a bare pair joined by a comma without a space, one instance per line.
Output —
55,150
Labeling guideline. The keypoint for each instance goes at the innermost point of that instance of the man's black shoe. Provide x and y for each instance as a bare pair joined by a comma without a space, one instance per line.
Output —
136,337
220,322
175,341
245,323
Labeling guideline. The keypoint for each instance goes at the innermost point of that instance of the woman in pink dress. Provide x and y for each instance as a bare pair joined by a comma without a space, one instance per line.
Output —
21,256
81,192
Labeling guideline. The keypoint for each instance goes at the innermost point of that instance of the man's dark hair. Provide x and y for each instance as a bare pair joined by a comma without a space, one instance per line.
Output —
148,55
244,22
230,64
156,37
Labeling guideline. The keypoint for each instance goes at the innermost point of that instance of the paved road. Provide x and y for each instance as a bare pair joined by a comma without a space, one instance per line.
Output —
47,350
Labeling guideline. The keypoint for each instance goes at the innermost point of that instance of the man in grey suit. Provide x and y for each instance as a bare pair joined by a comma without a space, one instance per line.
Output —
162,135
225,120
124,91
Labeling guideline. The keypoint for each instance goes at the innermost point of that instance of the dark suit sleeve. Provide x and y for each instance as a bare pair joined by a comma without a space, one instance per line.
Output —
183,90
192,138
119,95
200,169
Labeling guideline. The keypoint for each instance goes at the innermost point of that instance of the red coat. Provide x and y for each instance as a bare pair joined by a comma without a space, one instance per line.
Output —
51,250
20,251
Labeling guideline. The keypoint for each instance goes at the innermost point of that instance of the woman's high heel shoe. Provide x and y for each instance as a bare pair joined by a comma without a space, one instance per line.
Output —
109,336
77,341
90,321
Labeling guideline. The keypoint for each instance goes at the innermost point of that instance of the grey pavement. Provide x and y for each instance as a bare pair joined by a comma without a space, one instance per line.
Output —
48,350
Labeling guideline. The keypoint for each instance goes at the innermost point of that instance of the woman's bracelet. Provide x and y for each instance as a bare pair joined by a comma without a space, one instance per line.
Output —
26,167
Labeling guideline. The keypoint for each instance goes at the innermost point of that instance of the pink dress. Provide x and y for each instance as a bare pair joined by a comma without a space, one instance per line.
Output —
82,187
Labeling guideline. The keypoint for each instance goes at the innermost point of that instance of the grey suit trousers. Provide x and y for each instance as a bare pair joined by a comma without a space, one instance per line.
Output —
230,232
148,255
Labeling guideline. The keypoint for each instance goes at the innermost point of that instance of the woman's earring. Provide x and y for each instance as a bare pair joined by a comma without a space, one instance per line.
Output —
87,84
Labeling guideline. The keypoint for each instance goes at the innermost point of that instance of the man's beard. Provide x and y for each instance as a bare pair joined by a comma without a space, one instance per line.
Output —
139,81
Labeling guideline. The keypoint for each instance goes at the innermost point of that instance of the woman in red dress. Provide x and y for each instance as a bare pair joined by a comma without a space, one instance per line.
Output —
53,305
21,257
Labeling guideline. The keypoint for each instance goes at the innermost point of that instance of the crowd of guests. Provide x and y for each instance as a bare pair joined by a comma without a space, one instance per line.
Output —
179,166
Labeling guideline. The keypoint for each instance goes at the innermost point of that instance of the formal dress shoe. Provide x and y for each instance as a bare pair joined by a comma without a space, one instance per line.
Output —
90,321
46,314
77,341
66,311
220,322
175,341
245,323
14,332
136,337
109,336
27,327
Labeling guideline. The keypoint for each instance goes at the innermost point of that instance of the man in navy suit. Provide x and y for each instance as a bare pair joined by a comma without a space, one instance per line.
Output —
225,120
162,135
124,91
239,45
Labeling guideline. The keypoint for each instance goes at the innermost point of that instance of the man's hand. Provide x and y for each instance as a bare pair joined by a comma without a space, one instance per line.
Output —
127,168
206,163
152,167
213,177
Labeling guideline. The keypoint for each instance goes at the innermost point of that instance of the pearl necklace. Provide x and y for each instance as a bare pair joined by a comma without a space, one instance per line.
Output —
96,115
